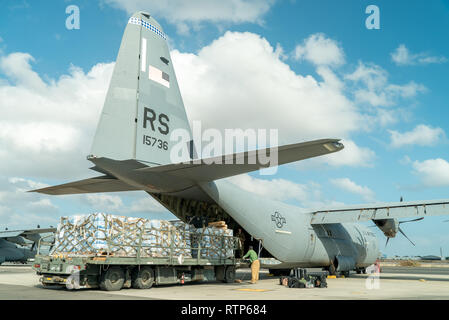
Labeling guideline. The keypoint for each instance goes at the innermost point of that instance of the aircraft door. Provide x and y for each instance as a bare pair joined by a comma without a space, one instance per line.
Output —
311,242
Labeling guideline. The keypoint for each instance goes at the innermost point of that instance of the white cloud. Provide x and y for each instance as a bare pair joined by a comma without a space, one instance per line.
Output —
17,67
45,204
307,195
234,73
350,186
351,155
433,172
403,57
276,189
421,135
113,203
50,122
28,183
146,204
320,50
185,13
106,202
377,91
20,209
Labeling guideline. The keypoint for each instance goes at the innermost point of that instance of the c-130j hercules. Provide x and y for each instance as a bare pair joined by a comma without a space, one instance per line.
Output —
143,100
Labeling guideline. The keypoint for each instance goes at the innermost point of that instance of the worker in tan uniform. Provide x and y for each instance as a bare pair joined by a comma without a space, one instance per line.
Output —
255,264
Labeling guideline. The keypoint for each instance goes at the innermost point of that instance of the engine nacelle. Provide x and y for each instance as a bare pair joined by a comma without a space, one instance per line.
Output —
389,227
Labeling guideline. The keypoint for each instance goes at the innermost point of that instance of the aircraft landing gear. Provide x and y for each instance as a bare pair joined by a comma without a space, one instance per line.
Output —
360,270
332,270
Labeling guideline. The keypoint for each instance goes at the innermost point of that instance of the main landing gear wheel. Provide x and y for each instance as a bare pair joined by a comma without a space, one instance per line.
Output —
332,270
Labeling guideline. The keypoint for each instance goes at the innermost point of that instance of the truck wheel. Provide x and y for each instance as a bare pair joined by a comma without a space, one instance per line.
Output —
220,273
230,274
113,279
142,278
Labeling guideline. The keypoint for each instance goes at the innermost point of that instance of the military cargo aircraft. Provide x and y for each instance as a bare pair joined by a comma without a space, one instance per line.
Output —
132,151
20,245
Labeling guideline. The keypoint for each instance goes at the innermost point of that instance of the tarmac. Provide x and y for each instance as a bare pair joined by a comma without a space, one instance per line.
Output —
20,282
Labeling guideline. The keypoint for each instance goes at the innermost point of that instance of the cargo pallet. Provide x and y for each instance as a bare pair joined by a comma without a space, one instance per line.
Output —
112,273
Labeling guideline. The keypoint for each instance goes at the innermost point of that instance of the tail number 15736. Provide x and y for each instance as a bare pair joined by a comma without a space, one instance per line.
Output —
154,142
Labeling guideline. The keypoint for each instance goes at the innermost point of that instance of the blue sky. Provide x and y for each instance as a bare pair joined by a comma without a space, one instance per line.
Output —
314,36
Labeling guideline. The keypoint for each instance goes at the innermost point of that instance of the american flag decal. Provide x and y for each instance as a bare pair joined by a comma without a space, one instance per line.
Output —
158,76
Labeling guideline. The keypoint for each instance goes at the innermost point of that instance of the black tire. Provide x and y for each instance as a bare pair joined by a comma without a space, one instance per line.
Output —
220,273
274,272
332,270
229,274
142,278
280,272
112,279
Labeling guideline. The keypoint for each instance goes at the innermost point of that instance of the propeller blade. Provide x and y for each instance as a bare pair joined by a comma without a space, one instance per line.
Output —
411,220
388,239
400,230
32,246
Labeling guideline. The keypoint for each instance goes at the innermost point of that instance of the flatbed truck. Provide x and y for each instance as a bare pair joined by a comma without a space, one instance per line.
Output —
112,273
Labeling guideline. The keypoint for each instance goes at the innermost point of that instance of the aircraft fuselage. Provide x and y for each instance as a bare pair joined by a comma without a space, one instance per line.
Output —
9,252
286,231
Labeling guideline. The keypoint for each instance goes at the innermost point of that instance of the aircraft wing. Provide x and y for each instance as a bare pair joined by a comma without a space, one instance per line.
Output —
380,211
97,184
216,168
10,234
17,233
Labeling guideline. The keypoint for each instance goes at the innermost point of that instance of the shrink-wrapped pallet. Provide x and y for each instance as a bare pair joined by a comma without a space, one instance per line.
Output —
105,234
216,242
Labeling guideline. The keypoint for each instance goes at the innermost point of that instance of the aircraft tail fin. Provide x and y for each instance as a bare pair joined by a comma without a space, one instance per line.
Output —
143,103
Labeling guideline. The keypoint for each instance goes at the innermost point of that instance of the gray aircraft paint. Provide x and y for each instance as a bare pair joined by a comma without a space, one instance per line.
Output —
14,244
9,252
295,241
136,104
295,236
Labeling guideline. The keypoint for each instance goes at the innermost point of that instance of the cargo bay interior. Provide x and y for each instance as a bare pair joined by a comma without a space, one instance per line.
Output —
201,212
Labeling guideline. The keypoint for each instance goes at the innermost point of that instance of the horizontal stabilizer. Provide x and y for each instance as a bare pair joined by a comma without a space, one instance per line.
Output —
92,185
391,210
181,176
210,169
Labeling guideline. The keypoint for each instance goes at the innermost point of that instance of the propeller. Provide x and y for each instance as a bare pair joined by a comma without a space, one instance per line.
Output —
402,232
412,220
